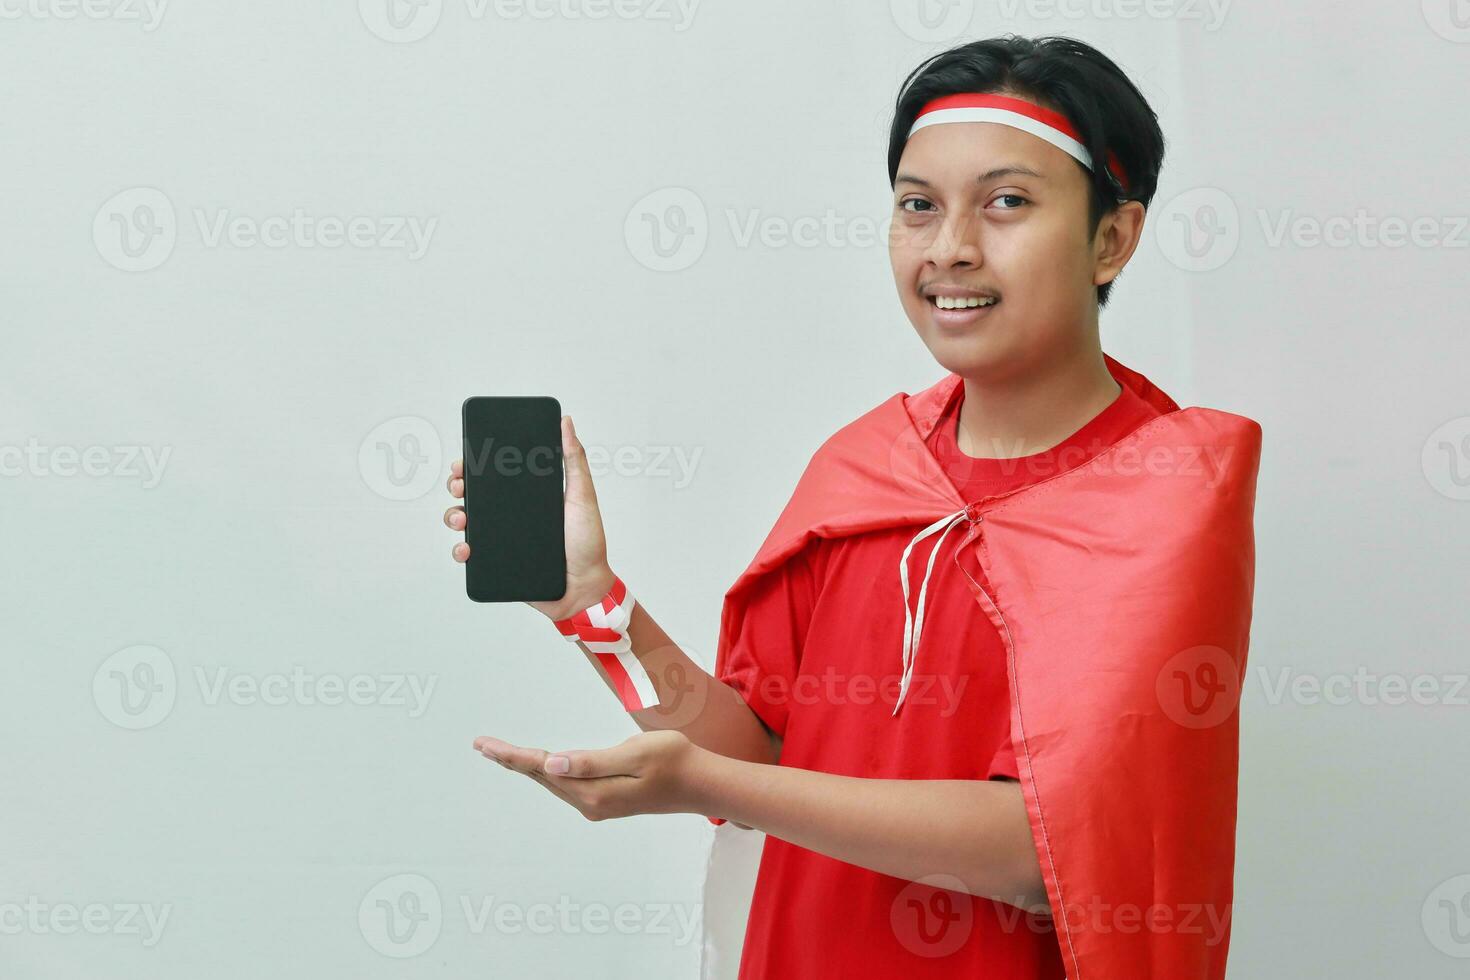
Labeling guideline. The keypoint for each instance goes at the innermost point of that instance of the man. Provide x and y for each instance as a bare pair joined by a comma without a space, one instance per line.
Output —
1008,751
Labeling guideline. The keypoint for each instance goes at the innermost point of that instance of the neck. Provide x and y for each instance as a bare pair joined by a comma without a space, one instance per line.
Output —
1018,416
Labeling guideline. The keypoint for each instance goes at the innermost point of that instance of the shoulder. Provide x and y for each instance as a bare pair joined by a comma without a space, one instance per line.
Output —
896,415
1205,421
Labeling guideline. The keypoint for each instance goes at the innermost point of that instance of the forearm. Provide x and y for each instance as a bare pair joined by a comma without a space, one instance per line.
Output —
710,713
975,830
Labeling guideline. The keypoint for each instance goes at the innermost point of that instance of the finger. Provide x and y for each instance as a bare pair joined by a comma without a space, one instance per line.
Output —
620,760
483,745
499,761
455,518
489,743
519,758
574,459
491,748
460,552
456,473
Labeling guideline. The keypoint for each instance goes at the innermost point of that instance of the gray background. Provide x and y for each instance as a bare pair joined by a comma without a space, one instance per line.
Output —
307,397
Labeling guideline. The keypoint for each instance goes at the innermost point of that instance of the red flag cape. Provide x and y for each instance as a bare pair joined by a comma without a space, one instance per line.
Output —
1122,590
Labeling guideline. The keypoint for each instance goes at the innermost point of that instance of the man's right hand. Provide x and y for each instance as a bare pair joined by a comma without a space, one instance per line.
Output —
589,576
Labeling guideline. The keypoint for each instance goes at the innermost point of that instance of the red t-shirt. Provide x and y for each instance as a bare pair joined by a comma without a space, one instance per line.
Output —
818,656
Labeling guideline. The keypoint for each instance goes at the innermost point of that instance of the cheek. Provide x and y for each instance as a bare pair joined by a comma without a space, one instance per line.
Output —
1045,265
909,238
906,263
901,253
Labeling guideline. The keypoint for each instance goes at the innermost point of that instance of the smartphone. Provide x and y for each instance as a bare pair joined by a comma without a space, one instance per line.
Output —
513,498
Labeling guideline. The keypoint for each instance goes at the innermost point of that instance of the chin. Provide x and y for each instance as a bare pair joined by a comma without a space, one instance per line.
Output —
985,353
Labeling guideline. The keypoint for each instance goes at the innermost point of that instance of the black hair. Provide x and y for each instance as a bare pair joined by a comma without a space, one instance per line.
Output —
1061,74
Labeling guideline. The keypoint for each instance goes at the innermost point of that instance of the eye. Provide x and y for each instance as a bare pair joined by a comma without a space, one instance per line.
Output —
903,205
1014,197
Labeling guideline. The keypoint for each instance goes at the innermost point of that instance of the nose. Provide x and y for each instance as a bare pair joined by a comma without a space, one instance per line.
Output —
955,244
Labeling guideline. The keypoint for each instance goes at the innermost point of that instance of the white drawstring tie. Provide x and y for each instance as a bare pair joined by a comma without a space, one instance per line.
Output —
913,625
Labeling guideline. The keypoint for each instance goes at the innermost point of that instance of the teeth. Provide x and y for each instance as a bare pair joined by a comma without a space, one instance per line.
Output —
956,303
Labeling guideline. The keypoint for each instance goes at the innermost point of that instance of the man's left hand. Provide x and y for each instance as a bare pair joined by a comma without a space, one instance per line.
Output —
652,772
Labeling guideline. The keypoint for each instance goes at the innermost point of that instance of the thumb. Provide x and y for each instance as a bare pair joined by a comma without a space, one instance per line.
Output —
589,764
574,458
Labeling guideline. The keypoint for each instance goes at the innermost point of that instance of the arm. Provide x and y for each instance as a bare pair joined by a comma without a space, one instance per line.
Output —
710,713
975,830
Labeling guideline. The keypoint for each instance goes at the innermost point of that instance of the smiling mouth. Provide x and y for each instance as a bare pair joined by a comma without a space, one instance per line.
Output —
961,303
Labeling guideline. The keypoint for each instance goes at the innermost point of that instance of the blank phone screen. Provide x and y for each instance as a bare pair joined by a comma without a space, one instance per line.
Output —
513,499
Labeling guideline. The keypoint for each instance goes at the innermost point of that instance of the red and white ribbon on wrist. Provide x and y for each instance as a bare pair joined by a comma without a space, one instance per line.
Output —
604,629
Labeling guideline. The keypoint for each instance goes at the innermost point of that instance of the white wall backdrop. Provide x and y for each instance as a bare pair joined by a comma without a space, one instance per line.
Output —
255,255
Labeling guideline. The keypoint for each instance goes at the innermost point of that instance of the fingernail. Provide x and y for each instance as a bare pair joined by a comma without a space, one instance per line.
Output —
558,764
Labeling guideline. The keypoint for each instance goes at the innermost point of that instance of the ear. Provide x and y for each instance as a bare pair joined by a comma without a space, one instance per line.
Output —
1118,234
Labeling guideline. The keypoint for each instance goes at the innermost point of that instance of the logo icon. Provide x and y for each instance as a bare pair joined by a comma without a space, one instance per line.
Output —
1450,19
1446,459
933,916
932,20
1198,230
666,231
1446,917
136,687
1199,687
400,459
401,916
135,230
401,21
682,700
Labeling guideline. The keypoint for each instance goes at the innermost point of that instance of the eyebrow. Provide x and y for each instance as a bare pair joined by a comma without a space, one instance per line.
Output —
985,178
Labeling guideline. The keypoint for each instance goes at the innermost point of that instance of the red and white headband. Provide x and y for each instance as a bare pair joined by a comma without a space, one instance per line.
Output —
1037,120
